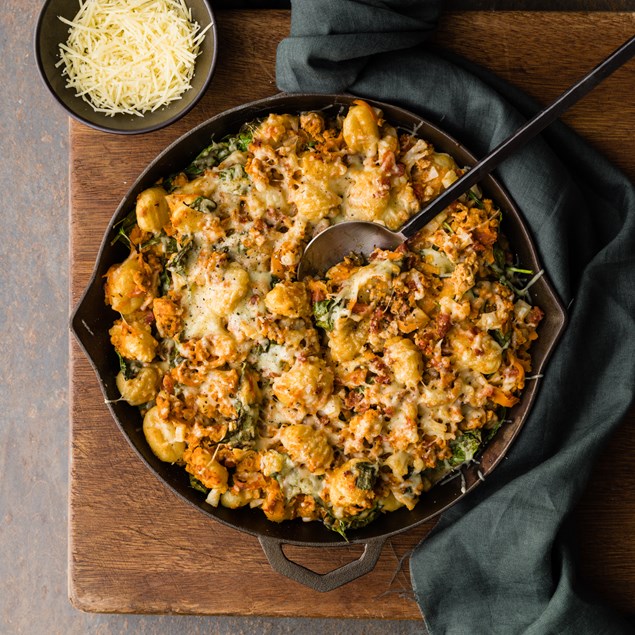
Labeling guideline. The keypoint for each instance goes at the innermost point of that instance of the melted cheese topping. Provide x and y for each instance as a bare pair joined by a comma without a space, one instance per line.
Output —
130,56
329,399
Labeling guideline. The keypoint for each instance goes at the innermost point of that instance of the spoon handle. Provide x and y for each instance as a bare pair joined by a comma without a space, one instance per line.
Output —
529,130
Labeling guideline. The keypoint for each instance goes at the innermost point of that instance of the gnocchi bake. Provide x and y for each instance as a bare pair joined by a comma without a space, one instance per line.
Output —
331,399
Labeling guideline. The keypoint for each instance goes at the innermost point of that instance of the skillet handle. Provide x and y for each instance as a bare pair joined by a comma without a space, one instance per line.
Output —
322,582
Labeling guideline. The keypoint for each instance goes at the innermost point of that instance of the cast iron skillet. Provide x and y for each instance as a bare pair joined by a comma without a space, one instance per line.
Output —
92,319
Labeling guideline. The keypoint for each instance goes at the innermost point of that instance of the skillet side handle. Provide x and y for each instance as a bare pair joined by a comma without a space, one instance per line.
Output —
322,582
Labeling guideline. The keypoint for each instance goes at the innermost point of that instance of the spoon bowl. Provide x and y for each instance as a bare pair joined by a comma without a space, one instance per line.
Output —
338,241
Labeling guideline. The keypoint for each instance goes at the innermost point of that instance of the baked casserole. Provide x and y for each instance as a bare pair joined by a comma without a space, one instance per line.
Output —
333,399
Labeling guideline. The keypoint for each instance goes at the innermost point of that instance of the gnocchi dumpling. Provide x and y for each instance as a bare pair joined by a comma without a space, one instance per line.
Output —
219,298
187,217
368,194
314,202
402,205
125,287
351,485
162,437
231,289
289,299
288,250
366,426
307,385
217,396
347,339
201,464
308,446
405,360
141,388
152,209
235,498
477,351
360,128
133,340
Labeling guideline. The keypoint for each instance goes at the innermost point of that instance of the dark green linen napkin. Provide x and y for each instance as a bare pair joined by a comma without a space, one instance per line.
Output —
502,560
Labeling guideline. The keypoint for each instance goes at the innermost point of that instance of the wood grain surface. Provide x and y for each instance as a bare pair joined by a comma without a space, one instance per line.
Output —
134,546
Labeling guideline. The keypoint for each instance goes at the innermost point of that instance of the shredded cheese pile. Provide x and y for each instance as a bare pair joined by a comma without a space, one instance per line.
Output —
130,56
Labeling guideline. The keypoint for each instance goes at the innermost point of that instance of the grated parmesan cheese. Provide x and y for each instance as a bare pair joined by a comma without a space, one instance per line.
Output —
130,56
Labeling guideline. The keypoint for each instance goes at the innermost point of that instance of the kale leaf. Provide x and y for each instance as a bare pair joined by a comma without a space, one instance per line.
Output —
464,447
242,431
476,200
211,156
218,151
342,526
366,476
492,429
128,368
197,485
177,263
503,339
125,226
323,314
203,204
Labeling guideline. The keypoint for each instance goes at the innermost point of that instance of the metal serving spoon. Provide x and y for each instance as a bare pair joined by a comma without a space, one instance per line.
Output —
340,240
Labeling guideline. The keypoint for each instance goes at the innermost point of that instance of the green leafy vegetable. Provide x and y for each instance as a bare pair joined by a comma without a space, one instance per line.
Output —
203,204
169,352
211,156
124,228
242,431
477,201
178,261
489,432
218,151
243,139
165,280
232,173
342,526
169,243
155,240
168,183
197,485
323,313
129,369
507,274
447,227
503,339
262,347
464,447
527,272
499,258
366,476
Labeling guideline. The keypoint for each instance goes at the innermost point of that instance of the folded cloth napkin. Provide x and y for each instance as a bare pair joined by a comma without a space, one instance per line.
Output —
501,560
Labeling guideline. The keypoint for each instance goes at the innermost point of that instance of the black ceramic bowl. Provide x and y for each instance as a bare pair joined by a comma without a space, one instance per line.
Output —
50,32
92,319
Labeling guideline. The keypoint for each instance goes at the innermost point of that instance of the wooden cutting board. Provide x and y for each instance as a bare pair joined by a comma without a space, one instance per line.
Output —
134,546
